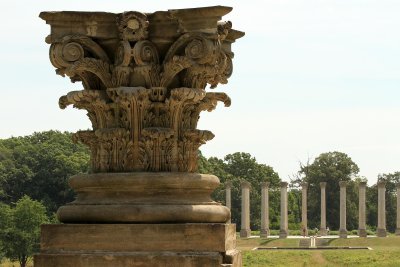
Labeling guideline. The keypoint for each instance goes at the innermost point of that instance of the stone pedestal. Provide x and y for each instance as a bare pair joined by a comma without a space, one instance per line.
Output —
381,230
284,231
144,79
134,245
322,229
343,228
362,231
304,187
245,230
264,232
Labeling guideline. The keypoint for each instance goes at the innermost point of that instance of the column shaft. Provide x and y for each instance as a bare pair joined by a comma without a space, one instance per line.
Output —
322,230
283,233
362,231
398,210
304,209
381,231
245,222
343,229
228,200
264,210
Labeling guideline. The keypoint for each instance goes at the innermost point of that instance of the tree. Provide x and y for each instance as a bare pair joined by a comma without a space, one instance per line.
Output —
21,231
39,165
241,166
331,168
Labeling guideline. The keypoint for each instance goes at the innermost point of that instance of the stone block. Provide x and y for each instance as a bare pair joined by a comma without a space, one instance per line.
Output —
132,245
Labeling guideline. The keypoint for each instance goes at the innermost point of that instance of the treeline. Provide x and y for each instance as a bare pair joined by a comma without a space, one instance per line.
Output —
40,164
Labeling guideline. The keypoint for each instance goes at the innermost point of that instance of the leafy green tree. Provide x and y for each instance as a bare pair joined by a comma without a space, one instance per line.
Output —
21,231
236,168
5,215
331,168
39,166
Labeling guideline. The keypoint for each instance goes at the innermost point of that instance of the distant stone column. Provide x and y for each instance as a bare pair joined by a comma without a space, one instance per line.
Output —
283,233
322,230
362,231
304,187
381,231
264,210
245,222
343,229
398,210
228,200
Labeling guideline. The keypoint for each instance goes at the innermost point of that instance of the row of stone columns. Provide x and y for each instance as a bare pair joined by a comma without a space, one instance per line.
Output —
245,216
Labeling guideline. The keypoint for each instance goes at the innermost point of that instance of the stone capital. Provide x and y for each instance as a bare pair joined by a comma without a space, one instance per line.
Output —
228,184
284,184
381,184
343,183
322,184
304,185
245,184
362,184
140,72
265,185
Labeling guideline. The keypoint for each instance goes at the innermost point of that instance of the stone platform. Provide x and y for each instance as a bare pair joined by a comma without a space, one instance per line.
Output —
131,245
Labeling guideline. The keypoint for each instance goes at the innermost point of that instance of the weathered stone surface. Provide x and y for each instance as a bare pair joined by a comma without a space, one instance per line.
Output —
138,237
131,259
362,229
322,229
381,229
138,245
304,221
151,197
398,209
264,232
343,227
245,218
284,229
144,77
228,201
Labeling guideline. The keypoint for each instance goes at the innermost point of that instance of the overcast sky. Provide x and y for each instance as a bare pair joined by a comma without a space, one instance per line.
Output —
309,77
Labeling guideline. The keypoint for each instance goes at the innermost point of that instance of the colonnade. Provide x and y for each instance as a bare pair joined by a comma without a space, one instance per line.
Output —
283,233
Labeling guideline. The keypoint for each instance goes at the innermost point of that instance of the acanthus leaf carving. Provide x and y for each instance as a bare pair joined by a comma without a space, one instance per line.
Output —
144,103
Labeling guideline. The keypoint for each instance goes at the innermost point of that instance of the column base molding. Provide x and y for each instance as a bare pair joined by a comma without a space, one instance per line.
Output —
323,232
397,231
245,233
283,233
381,232
362,232
342,233
264,233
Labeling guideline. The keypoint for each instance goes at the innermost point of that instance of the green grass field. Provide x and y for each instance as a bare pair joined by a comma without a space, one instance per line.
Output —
386,252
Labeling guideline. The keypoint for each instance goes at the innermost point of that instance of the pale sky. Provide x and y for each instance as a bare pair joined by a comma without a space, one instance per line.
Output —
310,76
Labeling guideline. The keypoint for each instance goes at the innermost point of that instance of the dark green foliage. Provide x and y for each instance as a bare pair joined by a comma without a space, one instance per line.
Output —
20,229
39,166
331,168
236,168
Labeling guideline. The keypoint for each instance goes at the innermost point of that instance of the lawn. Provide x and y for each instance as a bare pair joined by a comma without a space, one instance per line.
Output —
386,252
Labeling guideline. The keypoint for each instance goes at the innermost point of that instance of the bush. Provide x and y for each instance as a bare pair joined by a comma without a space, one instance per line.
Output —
20,229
